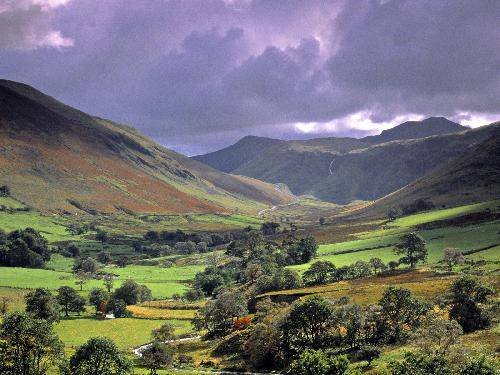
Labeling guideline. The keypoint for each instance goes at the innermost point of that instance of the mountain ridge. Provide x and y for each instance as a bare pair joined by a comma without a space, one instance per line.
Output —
57,158
336,169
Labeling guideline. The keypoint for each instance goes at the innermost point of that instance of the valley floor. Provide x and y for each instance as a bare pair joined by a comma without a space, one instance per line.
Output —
344,244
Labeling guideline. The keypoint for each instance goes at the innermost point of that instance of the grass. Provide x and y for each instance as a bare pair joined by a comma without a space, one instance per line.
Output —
14,296
10,203
127,333
425,217
163,282
51,228
380,242
424,284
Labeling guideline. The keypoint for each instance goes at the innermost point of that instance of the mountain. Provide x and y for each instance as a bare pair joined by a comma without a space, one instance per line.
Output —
56,158
230,158
375,171
472,177
418,129
347,169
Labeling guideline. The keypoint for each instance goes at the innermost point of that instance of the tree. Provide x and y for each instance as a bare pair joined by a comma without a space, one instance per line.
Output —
101,236
73,250
317,362
4,191
164,333
452,257
96,297
420,364
210,280
86,265
118,308
413,247
108,282
104,257
131,293
156,356
28,346
393,265
152,236
193,295
23,248
99,356
377,264
467,295
269,228
70,300
82,278
303,251
400,313
360,269
41,304
307,324
122,261
319,272
438,336
352,319
263,344
218,316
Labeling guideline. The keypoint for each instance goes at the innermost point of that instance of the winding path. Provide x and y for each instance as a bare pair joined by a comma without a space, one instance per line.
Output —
138,351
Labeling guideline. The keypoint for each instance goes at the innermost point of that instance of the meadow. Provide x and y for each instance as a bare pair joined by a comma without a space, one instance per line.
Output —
380,241
127,333
480,240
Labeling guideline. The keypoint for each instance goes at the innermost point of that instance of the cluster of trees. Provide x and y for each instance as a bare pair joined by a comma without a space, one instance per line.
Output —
323,271
318,336
411,246
172,237
31,347
23,248
258,262
42,304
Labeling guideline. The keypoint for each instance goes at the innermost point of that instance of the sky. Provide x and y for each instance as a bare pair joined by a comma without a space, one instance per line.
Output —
197,75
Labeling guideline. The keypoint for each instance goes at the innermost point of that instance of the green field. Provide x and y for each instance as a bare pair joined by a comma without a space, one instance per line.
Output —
163,282
50,227
127,333
379,242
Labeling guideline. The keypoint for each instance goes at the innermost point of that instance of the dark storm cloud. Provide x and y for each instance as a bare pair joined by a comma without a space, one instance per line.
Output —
199,74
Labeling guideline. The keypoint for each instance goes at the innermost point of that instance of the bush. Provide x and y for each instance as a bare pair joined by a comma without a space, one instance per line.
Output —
4,191
419,364
478,366
118,308
317,362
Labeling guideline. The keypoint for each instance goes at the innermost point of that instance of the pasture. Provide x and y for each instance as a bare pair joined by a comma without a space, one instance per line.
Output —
127,333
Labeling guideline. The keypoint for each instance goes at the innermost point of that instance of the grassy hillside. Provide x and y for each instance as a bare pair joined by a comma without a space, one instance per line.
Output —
472,177
231,158
56,158
378,170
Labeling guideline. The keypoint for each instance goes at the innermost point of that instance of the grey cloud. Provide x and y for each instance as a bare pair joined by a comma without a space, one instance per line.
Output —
199,74
28,24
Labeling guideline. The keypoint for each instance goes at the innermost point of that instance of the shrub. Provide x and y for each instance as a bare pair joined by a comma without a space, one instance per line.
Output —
317,362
